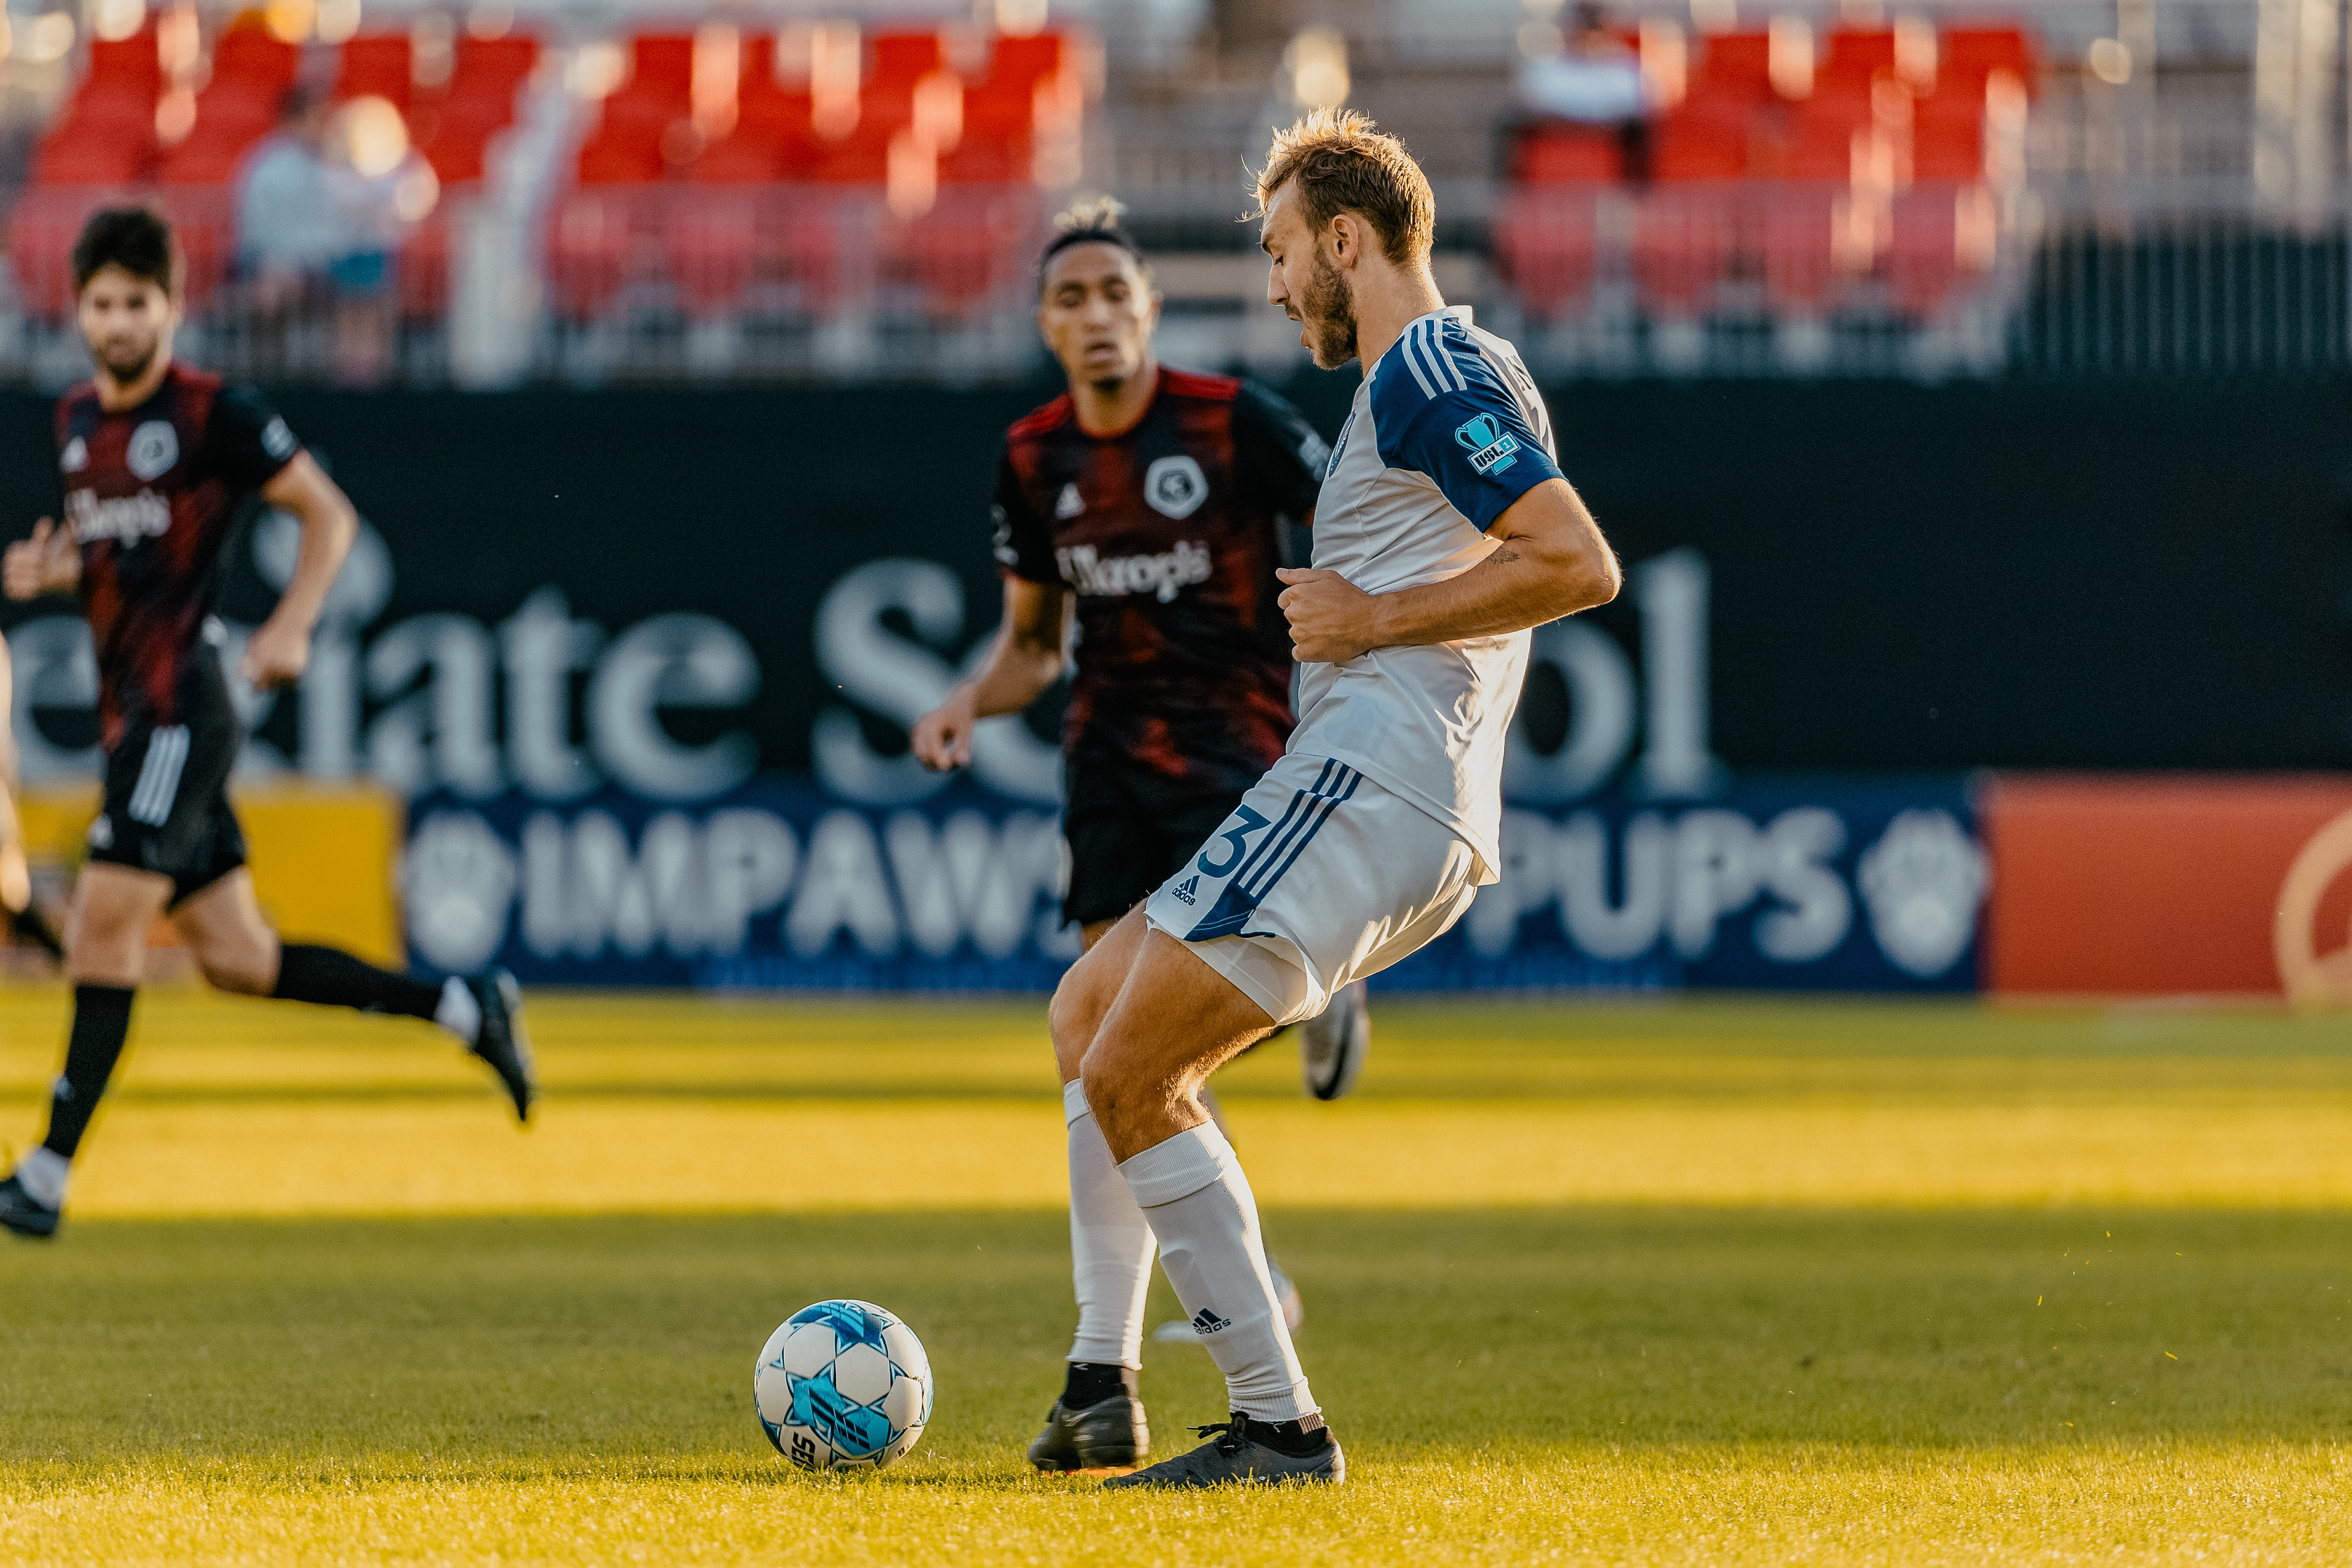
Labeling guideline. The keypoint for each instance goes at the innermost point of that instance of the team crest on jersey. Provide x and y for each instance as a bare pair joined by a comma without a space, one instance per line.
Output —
1175,486
155,447
1491,448
75,457
1071,504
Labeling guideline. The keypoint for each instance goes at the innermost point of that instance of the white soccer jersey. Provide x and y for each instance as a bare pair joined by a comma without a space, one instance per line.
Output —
1446,432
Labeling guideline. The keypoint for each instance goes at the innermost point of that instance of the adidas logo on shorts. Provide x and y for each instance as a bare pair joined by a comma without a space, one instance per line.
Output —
1187,890
1207,1321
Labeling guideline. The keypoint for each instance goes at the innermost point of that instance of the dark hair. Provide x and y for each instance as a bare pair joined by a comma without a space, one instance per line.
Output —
1092,220
135,239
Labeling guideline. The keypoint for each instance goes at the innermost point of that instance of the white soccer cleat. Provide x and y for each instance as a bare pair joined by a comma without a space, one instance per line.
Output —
1332,1045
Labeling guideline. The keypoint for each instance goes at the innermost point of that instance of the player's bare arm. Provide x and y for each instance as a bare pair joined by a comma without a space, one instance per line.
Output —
49,562
1025,661
279,649
1549,560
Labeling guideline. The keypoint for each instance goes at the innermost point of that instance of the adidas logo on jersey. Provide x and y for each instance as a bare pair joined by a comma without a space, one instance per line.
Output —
1158,575
1207,1321
1189,890
1071,504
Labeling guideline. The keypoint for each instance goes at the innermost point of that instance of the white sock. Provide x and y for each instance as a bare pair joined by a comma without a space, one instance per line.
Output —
459,1013
1110,1244
42,1173
1199,1203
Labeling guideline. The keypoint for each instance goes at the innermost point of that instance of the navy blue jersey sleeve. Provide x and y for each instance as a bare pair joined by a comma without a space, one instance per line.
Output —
1025,541
1279,458
245,441
1441,410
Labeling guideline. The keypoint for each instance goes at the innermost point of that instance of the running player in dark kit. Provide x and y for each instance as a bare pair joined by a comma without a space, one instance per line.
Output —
1149,504
160,464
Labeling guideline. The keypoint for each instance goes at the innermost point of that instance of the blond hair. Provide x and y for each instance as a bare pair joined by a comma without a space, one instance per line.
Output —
1345,164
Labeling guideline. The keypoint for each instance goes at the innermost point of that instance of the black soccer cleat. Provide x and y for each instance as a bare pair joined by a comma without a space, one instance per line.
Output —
500,1041
1333,1044
1232,1458
1111,1435
25,1215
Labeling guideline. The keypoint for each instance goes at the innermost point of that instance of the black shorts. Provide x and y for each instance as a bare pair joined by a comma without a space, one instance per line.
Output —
167,791
1129,831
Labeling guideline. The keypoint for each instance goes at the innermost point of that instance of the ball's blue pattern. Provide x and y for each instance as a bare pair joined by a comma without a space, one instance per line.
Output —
843,1383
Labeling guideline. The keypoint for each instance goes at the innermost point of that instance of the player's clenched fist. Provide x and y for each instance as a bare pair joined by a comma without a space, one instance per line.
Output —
49,562
942,739
1330,617
276,654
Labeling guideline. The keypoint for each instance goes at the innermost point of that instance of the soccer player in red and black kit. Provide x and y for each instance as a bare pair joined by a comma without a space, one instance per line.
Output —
1157,501
160,464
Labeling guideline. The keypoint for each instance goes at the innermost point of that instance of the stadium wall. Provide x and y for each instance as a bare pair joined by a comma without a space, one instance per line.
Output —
646,658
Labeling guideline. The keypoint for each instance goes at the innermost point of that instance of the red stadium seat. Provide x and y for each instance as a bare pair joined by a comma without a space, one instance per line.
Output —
248,55
1922,257
991,159
1733,68
1545,154
485,65
745,158
1024,60
902,59
662,67
861,157
376,65
78,156
131,62
1855,56
1947,137
1699,142
1970,55
618,159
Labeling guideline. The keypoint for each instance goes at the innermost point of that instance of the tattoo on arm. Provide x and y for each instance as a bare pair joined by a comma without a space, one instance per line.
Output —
1504,555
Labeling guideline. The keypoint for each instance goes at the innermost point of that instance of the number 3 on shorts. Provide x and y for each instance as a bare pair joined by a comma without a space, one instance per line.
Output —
1246,822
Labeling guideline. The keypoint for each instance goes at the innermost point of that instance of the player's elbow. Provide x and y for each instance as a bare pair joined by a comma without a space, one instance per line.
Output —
1584,576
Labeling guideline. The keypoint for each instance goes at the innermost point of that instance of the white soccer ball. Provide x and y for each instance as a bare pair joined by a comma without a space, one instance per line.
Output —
843,1385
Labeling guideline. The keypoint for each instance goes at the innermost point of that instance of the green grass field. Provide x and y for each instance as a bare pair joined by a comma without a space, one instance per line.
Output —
1736,1281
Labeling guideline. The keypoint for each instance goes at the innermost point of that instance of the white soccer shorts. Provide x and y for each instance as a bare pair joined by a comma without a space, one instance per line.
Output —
1318,878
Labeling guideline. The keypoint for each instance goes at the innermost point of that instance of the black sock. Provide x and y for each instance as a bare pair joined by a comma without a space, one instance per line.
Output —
1299,1438
101,1022
1092,1382
334,978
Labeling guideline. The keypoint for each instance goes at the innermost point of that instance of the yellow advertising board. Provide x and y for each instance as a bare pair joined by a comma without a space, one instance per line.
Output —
325,858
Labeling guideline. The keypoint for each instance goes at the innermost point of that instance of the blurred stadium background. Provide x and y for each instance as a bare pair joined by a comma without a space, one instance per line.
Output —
1965,385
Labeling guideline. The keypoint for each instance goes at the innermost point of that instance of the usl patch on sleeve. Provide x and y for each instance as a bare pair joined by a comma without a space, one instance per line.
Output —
1491,448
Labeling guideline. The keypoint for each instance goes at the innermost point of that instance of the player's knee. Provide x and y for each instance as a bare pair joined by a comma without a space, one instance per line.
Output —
1076,1012
240,971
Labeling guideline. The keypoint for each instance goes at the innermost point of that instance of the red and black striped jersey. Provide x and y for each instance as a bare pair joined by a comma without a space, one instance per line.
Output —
1169,532
152,494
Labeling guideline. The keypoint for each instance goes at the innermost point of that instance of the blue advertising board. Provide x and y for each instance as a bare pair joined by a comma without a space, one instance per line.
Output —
1822,883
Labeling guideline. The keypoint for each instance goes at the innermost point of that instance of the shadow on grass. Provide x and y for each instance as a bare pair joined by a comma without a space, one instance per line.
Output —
623,1345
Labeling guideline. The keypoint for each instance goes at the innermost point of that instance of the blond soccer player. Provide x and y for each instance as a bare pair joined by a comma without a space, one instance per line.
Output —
1443,534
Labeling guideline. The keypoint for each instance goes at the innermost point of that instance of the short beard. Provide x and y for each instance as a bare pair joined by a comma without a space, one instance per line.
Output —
125,374
1329,309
